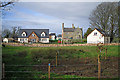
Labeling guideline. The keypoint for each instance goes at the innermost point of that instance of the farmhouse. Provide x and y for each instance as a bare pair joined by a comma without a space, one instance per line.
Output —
71,33
33,35
98,36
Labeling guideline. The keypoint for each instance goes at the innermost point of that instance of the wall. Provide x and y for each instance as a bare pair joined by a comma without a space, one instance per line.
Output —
95,39
107,40
47,40
25,40
55,45
5,40
74,34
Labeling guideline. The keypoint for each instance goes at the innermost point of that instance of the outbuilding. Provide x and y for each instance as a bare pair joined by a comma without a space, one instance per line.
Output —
98,36
7,40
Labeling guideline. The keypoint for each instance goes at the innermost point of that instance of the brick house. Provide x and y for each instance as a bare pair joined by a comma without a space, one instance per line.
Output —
33,35
71,33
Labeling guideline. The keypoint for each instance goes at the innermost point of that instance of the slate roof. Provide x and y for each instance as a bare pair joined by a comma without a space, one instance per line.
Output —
37,32
52,34
102,32
70,29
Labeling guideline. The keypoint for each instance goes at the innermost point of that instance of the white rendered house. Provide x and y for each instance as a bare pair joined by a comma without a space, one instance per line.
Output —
97,36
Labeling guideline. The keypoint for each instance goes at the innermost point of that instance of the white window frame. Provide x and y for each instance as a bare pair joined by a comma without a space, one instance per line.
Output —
24,34
95,33
43,34
33,34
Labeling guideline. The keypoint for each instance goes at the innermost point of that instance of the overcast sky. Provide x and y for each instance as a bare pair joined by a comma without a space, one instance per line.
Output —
49,15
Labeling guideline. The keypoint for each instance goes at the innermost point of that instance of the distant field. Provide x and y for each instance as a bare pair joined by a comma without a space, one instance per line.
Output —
73,55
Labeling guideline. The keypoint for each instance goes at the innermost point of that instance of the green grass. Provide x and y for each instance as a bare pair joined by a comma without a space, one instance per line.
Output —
23,55
38,55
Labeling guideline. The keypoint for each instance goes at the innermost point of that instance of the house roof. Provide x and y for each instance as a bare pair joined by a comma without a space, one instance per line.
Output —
36,31
69,29
59,35
101,31
52,34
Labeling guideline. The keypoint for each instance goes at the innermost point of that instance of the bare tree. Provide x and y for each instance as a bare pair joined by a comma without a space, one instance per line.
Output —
15,32
105,18
6,33
119,21
6,6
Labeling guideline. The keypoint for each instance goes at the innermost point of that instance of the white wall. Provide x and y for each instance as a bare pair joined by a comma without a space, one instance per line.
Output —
91,38
46,40
53,37
25,40
5,40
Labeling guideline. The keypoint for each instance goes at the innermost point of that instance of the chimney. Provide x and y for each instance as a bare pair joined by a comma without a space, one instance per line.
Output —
62,25
73,26
62,30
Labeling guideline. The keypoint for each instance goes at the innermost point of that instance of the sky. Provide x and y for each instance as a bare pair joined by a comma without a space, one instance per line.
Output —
49,15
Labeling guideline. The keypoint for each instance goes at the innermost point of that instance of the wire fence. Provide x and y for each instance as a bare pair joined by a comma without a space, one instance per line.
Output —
64,69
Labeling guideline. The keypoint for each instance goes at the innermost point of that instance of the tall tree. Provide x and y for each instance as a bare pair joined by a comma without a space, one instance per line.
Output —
6,33
15,31
87,32
105,17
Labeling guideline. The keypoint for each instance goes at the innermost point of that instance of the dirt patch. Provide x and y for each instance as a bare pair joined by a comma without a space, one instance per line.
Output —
84,67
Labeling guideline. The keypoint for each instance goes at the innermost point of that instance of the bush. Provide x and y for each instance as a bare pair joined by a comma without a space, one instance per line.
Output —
115,40
78,40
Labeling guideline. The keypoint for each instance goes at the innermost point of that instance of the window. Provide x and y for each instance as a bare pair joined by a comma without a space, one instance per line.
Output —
95,33
43,34
24,34
33,35
44,39
21,39
71,38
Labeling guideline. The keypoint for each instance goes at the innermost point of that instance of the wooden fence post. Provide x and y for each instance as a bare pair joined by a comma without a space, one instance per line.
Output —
99,67
56,59
49,70
106,53
3,70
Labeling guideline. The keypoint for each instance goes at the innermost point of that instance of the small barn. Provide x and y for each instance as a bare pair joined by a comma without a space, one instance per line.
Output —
98,36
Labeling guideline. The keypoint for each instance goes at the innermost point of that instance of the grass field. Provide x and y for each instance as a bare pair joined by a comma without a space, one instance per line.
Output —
44,55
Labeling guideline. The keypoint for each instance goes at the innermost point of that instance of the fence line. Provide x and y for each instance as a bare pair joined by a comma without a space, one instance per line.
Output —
50,65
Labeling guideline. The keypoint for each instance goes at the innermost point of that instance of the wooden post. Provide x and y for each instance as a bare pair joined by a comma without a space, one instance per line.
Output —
99,67
56,59
49,70
106,53
3,70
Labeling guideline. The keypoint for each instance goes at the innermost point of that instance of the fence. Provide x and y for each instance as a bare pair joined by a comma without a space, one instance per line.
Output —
58,70
53,71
